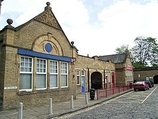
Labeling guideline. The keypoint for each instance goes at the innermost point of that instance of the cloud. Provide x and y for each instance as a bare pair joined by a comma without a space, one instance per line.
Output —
96,29
124,21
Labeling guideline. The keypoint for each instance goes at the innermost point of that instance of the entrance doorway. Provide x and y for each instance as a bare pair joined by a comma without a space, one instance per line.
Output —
96,80
155,79
113,79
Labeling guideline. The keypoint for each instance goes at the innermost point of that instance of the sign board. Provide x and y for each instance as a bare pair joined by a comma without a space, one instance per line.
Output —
10,87
129,68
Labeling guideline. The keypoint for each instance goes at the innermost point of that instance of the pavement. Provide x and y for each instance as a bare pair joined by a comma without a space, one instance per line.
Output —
58,109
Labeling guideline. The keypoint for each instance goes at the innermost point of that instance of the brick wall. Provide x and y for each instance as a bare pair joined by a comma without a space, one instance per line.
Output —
26,38
143,73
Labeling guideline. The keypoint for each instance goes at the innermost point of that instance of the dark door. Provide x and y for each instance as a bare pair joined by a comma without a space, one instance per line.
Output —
155,79
96,80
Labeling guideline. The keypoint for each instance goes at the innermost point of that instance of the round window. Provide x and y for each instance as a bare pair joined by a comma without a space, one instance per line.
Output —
48,47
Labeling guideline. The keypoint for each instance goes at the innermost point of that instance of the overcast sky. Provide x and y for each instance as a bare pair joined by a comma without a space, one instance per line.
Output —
97,27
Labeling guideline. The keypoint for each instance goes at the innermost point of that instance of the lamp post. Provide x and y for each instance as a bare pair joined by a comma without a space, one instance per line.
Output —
73,70
0,5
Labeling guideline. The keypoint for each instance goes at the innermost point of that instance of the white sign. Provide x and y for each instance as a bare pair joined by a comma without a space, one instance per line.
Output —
11,87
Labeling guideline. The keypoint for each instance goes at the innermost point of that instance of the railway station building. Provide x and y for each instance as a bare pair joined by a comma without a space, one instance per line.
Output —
39,62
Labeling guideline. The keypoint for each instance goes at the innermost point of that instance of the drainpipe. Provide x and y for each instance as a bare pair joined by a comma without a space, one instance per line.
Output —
104,78
88,80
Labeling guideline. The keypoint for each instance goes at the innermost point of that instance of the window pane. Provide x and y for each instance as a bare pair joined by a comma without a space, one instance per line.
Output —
82,78
41,81
64,80
83,72
78,80
41,73
26,64
78,77
64,74
78,73
64,68
53,67
25,81
53,81
41,65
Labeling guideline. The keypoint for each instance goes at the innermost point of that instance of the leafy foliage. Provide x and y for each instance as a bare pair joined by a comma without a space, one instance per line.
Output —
145,52
121,49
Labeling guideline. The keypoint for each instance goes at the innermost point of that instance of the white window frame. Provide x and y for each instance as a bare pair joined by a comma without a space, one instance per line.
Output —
64,72
26,72
54,71
78,78
83,75
43,72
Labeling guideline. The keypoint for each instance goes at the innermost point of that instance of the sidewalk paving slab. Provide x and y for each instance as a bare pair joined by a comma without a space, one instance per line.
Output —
58,109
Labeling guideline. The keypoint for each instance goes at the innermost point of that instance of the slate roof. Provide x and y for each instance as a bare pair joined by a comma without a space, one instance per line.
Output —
115,58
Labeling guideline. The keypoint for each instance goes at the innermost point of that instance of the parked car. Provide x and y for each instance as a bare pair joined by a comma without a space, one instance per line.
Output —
140,85
149,83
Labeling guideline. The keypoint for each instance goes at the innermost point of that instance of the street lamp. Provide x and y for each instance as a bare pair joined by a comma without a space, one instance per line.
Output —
0,5
73,70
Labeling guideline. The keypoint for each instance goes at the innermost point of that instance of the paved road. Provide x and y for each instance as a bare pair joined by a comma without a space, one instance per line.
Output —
133,105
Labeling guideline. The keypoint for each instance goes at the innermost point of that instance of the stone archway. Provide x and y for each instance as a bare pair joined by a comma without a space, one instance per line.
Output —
155,79
96,80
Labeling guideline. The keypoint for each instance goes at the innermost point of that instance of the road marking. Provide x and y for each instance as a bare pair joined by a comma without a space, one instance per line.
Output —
148,95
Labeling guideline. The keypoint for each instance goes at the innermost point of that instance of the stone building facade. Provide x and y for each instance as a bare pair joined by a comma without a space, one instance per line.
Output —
38,62
141,74
123,67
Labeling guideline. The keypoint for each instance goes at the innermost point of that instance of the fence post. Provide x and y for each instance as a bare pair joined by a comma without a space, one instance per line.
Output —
50,106
97,94
20,111
106,92
86,98
72,102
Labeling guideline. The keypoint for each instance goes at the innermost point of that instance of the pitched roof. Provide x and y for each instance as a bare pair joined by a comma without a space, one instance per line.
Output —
115,58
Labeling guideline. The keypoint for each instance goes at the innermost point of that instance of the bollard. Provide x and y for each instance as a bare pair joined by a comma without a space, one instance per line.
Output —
72,102
50,106
20,111
86,98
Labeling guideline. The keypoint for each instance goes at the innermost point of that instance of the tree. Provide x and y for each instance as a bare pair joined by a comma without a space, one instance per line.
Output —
145,52
121,49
